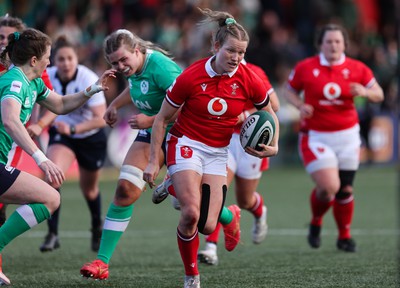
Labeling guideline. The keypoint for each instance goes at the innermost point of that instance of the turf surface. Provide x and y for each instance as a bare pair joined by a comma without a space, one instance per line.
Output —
147,255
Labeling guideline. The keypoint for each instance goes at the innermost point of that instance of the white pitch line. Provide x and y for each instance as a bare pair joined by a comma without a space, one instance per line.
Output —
271,232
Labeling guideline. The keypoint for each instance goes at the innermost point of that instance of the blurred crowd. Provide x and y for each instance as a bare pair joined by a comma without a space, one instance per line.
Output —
282,31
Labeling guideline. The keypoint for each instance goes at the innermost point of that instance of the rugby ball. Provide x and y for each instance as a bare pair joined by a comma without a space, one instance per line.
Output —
258,128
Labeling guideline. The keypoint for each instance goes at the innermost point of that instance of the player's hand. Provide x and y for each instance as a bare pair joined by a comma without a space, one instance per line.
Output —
150,174
356,89
140,121
306,111
104,78
267,151
34,130
52,172
62,128
111,116
101,83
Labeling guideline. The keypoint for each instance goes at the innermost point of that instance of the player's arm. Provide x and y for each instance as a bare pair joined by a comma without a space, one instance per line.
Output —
64,104
96,121
161,121
123,99
35,129
306,110
142,121
373,94
273,98
10,111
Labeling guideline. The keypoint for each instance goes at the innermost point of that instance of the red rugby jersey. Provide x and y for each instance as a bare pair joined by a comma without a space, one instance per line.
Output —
327,89
213,102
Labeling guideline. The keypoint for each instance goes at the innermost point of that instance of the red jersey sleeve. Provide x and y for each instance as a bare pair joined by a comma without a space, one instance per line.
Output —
260,73
46,80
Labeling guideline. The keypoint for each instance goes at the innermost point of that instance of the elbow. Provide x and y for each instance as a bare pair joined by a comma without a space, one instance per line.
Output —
378,97
9,125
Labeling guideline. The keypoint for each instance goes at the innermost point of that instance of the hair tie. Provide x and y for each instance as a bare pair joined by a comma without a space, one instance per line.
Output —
16,35
230,21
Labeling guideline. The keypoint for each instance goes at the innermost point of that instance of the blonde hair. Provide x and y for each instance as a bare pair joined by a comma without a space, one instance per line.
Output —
125,37
227,26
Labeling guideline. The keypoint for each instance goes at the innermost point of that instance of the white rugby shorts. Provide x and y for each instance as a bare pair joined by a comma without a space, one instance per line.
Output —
243,164
338,149
187,154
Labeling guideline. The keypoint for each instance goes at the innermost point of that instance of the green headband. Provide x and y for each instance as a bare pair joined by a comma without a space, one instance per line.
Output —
16,35
230,21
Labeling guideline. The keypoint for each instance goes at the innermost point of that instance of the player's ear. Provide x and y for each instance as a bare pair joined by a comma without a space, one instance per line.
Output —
33,61
217,46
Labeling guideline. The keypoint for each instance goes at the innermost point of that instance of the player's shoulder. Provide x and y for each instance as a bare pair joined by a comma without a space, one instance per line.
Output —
159,61
85,75
309,61
14,74
197,68
355,63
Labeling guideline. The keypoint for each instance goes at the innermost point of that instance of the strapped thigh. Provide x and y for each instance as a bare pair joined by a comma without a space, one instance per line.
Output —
205,203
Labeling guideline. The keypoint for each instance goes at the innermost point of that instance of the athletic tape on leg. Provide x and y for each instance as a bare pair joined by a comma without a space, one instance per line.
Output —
133,175
224,190
205,203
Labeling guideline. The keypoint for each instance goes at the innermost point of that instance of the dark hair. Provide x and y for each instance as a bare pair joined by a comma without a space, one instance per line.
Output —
14,22
23,46
125,37
62,42
331,27
227,26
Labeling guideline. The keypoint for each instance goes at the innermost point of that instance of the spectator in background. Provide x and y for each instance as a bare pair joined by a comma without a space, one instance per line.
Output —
78,135
329,141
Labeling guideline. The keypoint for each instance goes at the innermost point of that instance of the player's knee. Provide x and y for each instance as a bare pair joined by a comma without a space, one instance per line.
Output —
245,204
126,193
190,216
344,193
53,201
91,194
328,190
346,180
130,185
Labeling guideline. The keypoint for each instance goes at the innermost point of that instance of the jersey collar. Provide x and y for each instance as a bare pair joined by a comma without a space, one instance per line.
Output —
22,73
210,71
324,62
146,60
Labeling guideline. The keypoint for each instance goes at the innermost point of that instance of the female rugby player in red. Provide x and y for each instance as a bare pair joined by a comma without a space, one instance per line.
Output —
329,140
212,93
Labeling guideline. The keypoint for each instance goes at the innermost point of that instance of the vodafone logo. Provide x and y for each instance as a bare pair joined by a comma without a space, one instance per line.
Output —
332,91
217,106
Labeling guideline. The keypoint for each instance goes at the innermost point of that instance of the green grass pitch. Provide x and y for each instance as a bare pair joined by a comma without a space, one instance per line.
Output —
147,255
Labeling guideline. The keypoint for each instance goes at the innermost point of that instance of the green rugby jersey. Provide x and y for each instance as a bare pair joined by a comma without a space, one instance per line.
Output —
14,84
148,88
